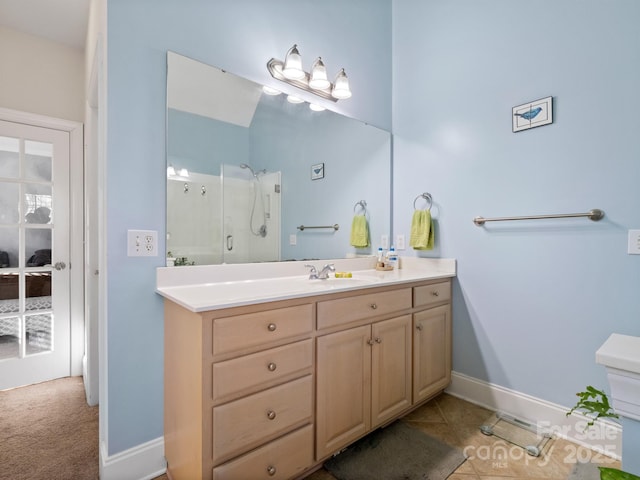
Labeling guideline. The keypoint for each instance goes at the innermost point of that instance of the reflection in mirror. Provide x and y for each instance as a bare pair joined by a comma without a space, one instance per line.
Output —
246,169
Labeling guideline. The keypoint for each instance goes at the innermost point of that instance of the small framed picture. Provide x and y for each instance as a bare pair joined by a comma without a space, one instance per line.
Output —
532,114
317,171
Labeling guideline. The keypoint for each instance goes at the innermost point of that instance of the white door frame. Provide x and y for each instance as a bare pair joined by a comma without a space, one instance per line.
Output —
76,219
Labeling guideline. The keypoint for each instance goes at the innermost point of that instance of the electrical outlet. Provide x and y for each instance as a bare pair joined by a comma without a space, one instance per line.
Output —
633,247
142,243
293,240
400,242
384,241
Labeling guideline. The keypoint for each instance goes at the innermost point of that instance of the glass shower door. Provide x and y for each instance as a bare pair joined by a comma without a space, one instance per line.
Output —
251,214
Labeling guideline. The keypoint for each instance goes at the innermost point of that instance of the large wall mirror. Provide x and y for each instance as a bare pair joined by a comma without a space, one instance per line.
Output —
245,170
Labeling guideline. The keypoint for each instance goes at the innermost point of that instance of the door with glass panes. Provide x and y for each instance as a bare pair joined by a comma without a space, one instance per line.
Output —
34,253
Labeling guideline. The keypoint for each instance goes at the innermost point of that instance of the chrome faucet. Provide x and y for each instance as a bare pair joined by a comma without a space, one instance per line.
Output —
323,274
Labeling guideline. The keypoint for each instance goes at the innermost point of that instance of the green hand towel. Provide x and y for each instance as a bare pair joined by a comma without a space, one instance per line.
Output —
422,236
359,232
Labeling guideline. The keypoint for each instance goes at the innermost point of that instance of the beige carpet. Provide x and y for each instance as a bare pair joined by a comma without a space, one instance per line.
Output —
48,432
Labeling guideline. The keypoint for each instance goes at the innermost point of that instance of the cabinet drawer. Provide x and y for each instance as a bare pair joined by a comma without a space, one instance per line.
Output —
246,423
281,459
351,309
240,332
430,294
259,370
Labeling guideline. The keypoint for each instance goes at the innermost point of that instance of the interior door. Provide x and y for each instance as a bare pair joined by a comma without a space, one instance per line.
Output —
34,255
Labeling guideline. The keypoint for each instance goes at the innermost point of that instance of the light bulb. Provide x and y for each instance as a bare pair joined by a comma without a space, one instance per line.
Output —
318,79
341,88
294,99
293,64
316,108
270,91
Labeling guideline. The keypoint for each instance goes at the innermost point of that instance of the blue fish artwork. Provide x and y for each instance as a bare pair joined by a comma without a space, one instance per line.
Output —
531,114
317,170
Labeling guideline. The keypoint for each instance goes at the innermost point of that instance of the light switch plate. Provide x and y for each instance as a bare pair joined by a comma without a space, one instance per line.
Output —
293,239
384,241
400,242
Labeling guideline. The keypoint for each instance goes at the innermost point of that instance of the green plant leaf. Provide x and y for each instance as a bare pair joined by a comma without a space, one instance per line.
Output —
594,403
607,473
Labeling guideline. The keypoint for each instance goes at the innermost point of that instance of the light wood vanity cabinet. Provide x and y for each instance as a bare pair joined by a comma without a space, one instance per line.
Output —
271,390
364,380
239,386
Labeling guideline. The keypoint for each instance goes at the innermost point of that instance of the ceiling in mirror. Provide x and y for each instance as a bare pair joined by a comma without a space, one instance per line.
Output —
248,169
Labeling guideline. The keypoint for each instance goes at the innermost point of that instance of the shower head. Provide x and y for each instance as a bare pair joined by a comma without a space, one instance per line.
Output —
244,165
254,173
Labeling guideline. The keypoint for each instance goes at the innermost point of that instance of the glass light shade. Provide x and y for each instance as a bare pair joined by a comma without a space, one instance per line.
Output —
171,171
270,91
294,99
341,88
318,79
316,108
293,64
184,172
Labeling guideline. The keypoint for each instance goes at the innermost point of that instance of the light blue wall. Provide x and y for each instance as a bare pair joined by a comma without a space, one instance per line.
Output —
201,144
239,36
533,301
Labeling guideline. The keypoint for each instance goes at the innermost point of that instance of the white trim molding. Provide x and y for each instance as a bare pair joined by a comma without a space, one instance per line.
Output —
142,462
604,437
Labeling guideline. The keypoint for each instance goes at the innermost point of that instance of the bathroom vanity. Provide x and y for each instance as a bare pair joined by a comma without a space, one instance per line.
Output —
268,377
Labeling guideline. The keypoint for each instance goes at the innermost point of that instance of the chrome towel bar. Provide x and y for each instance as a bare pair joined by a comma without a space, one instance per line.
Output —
595,215
335,227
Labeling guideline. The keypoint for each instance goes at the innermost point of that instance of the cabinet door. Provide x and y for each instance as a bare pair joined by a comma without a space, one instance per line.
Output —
390,369
343,390
431,351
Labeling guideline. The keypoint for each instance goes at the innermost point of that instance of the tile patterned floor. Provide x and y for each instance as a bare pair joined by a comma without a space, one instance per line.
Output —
456,422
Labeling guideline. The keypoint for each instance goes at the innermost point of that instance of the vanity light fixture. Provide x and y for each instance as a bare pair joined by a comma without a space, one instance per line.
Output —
290,71
316,108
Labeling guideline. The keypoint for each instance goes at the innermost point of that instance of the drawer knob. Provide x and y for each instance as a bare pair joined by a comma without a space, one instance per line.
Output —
271,414
271,470
374,306
272,367
419,326
435,293
370,341
271,327
378,340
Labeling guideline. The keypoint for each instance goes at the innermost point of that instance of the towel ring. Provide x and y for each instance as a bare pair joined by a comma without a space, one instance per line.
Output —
427,197
362,204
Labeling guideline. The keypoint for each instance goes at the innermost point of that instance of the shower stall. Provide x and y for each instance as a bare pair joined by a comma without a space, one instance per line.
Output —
251,214
233,217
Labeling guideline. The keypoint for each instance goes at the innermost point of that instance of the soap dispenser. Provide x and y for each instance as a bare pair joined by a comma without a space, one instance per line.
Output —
392,257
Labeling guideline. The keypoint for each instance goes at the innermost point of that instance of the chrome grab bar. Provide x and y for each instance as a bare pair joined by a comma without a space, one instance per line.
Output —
335,227
595,215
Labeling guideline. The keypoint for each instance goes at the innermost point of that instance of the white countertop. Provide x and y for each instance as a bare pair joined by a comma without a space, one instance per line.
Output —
213,287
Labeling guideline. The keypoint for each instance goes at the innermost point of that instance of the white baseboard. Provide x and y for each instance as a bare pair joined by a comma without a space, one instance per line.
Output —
604,437
142,462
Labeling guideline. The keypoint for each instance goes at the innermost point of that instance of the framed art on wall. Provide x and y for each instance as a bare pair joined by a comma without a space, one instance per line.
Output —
532,114
317,171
